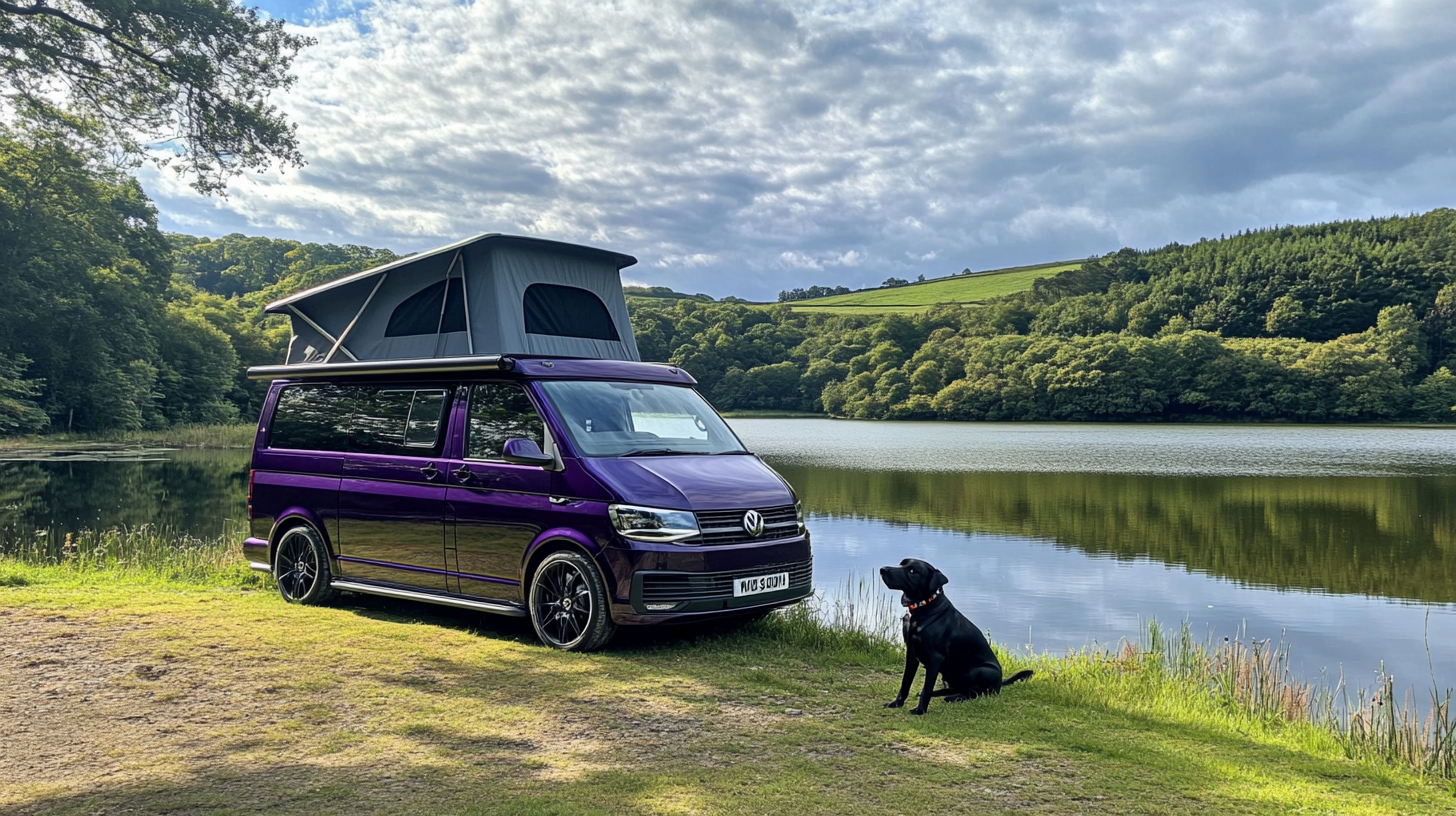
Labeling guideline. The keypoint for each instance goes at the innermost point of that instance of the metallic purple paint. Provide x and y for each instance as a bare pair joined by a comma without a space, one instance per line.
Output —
380,516
723,482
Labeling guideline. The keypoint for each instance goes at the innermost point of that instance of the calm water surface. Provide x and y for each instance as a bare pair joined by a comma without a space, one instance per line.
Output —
1342,540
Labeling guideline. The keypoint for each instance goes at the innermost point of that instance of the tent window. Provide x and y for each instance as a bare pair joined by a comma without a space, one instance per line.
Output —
566,311
420,312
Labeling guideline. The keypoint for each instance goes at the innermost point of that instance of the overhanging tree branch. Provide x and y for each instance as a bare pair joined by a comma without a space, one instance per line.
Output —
194,72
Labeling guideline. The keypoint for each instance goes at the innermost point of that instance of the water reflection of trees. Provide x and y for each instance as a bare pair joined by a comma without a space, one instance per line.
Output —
196,492
1389,537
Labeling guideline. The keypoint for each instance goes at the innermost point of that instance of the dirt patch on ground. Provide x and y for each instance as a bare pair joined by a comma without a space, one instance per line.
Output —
101,710
78,705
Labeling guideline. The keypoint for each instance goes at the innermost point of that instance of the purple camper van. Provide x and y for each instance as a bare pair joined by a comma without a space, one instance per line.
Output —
584,491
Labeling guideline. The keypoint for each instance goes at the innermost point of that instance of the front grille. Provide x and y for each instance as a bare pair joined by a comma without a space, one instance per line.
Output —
726,526
678,587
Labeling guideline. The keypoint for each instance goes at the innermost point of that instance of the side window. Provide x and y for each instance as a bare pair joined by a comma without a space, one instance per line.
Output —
401,421
312,417
500,411
426,416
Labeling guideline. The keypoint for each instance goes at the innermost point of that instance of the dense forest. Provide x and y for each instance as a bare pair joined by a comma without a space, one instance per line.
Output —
107,323
1337,322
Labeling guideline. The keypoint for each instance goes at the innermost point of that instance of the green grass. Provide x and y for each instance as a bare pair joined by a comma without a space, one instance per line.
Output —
142,555
918,297
181,436
231,700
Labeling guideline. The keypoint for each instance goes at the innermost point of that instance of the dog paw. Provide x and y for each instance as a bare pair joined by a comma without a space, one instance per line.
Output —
895,704
918,710
957,698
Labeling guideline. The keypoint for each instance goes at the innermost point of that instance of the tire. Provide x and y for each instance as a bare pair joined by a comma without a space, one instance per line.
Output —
568,604
301,568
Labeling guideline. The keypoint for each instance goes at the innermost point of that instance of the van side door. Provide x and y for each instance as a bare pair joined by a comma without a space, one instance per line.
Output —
392,498
496,509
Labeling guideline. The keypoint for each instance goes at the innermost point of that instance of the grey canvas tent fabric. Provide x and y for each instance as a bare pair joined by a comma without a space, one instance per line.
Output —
491,294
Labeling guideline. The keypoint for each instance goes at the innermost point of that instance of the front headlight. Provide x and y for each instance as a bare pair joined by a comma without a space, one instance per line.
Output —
652,524
799,513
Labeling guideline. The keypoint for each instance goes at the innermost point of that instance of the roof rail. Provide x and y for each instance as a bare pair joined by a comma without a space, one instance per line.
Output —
422,365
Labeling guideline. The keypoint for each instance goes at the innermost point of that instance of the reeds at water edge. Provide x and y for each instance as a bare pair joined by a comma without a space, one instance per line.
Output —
1249,676
1255,676
143,550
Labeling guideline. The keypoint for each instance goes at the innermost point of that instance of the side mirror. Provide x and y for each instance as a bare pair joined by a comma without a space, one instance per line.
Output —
526,452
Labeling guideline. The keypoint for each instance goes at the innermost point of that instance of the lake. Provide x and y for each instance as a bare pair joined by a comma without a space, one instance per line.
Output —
1341,540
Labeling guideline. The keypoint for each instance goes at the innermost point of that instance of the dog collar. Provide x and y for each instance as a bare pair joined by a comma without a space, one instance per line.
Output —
915,606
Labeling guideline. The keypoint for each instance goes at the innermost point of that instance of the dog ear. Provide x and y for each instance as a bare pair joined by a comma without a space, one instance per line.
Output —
937,580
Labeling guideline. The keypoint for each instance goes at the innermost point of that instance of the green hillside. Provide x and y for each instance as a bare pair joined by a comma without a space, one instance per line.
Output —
917,297
660,293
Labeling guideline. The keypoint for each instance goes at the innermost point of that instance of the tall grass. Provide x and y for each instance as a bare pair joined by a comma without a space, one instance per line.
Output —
856,621
145,551
182,436
1250,677
1255,679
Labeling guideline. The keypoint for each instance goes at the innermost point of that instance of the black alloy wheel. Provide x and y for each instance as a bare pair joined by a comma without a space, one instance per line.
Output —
569,604
301,568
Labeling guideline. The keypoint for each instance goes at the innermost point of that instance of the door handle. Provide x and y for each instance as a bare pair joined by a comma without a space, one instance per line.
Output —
430,470
462,474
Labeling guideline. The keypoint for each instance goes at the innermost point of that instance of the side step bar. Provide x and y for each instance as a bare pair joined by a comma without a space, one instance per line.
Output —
407,595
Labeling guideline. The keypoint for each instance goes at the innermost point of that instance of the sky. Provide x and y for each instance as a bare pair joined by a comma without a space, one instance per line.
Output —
743,147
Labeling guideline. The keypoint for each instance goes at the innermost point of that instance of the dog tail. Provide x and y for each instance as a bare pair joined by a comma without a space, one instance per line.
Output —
1024,674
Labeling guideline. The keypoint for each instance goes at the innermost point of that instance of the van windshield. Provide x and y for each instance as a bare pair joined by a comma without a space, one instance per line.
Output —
639,419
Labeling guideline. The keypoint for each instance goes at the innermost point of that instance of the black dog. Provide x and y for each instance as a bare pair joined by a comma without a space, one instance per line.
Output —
939,636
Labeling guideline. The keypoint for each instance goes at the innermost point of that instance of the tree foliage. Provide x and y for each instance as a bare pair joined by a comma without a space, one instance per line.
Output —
1339,322
107,323
194,74
788,295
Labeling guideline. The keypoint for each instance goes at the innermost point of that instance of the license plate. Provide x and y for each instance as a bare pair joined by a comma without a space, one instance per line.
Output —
760,583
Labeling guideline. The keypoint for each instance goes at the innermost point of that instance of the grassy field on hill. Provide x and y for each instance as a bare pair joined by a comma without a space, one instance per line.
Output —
918,297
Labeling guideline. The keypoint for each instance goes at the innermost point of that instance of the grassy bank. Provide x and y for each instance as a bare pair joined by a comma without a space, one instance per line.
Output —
179,436
131,684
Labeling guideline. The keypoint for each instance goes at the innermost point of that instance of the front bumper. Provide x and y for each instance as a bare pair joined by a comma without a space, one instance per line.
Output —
698,581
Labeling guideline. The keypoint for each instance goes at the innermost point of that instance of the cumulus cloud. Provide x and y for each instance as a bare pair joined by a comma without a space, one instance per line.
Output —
746,146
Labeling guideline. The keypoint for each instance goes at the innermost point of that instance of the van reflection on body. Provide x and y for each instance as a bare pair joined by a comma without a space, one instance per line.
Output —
584,494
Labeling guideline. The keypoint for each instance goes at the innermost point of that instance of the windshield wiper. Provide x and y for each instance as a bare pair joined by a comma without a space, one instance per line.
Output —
655,452
733,453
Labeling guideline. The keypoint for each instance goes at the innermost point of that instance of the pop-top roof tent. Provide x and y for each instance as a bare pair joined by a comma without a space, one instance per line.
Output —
491,294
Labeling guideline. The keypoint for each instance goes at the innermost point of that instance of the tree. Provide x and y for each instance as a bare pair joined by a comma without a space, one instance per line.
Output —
193,74
1435,397
18,413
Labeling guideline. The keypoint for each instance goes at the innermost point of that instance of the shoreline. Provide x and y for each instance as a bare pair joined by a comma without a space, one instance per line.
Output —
209,655
240,436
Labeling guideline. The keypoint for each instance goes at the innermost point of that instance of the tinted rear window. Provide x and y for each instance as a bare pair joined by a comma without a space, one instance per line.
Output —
312,417
360,419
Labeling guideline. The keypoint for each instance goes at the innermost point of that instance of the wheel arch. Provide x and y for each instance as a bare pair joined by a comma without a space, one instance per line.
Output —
298,517
554,541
